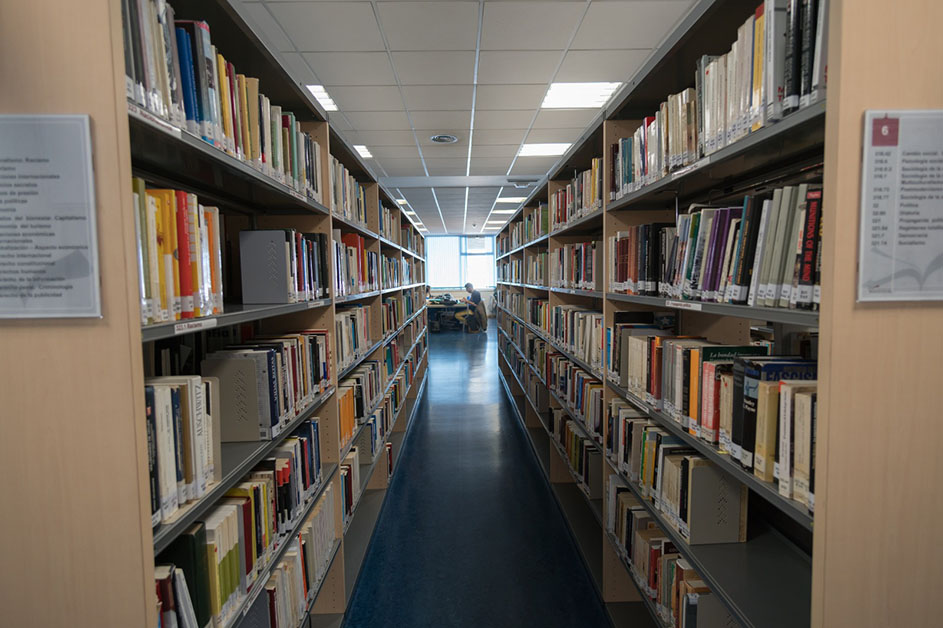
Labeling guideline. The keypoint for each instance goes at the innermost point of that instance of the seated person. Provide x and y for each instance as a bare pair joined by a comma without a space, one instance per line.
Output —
474,299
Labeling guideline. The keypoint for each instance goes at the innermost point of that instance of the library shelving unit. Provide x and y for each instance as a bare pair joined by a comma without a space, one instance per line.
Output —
93,409
794,569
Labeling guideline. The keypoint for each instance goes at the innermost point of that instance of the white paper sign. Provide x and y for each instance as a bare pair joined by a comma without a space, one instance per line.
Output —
48,246
900,251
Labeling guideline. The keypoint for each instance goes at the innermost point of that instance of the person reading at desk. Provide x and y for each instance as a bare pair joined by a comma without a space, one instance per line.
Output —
479,319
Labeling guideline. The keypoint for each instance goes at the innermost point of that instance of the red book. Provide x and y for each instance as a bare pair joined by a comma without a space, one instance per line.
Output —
272,606
183,255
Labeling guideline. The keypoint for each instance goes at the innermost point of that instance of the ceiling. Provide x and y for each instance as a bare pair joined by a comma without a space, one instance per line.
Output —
402,71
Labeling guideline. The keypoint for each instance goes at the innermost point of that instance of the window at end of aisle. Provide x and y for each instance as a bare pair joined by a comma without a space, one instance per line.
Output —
453,261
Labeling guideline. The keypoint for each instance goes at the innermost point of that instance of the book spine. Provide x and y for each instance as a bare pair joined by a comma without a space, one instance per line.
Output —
791,77
810,249
807,50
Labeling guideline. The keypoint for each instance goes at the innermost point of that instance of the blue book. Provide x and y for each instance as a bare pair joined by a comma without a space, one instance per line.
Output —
191,105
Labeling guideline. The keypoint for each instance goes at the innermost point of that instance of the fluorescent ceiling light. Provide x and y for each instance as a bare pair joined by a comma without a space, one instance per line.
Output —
486,228
409,213
543,150
321,95
363,151
578,95
401,201
511,199
496,222
503,211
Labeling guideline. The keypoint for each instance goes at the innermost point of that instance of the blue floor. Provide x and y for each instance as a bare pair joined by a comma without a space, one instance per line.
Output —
470,534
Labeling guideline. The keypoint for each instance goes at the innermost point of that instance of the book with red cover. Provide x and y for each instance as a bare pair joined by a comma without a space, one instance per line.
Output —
184,263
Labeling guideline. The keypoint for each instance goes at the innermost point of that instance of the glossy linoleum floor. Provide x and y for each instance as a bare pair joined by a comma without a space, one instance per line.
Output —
470,534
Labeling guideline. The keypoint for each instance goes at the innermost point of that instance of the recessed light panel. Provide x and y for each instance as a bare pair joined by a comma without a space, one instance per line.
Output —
543,150
578,95
511,199
320,94
363,151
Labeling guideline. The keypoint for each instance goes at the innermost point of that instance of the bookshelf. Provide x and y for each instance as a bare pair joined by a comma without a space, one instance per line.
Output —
786,573
101,364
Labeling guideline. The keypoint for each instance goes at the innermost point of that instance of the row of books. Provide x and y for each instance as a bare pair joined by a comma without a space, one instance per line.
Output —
765,253
410,271
368,381
348,198
175,72
582,455
681,483
578,331
390,224
734,397
681,597
576,266
410,239
395,310
580,197
179,254
511,270
580,390
283,266
390,272
535,272
356,269
352,329
350,483
223,556
290,371
536,222
777,65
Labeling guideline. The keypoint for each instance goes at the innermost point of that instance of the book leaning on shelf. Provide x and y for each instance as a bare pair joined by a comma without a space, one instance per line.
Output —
179,258
580,197
175,73
681,597
777,64
764,252
283,266
225,555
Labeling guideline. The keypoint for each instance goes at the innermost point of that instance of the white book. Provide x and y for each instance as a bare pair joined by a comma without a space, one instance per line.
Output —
758,255
820,60
784,219
194,432
775,59
166,453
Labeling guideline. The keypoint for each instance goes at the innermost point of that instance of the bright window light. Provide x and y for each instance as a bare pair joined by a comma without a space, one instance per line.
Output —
578,95
503,211
543,150
363,151
511,199
320,94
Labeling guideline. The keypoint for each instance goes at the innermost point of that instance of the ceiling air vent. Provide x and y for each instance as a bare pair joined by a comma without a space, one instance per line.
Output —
444,139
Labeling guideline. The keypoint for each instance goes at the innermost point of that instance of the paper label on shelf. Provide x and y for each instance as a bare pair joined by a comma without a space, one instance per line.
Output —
48,233
900,251
684,305
194,325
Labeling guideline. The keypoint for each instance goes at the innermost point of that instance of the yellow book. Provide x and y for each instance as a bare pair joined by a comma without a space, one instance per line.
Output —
252,103
767,423
195,231
214,237
244,115
168,203
225,103
164,253
245,490
152,209
757,106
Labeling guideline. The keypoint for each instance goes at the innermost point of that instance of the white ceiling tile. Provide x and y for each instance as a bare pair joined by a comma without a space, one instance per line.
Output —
338,121
498,136
385,153
298,69
450,195
638,24
437,97
268,28
490,165
329,26
446,167
442,67
366,98
564,118
503,119
386,138
553,135
517,66
601,65
533,165
494,150
379,120
441,121
429,25
528,25
351,68
402,167
510,96
445,151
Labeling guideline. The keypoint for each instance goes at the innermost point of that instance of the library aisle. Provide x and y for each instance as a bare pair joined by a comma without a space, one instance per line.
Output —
471,533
